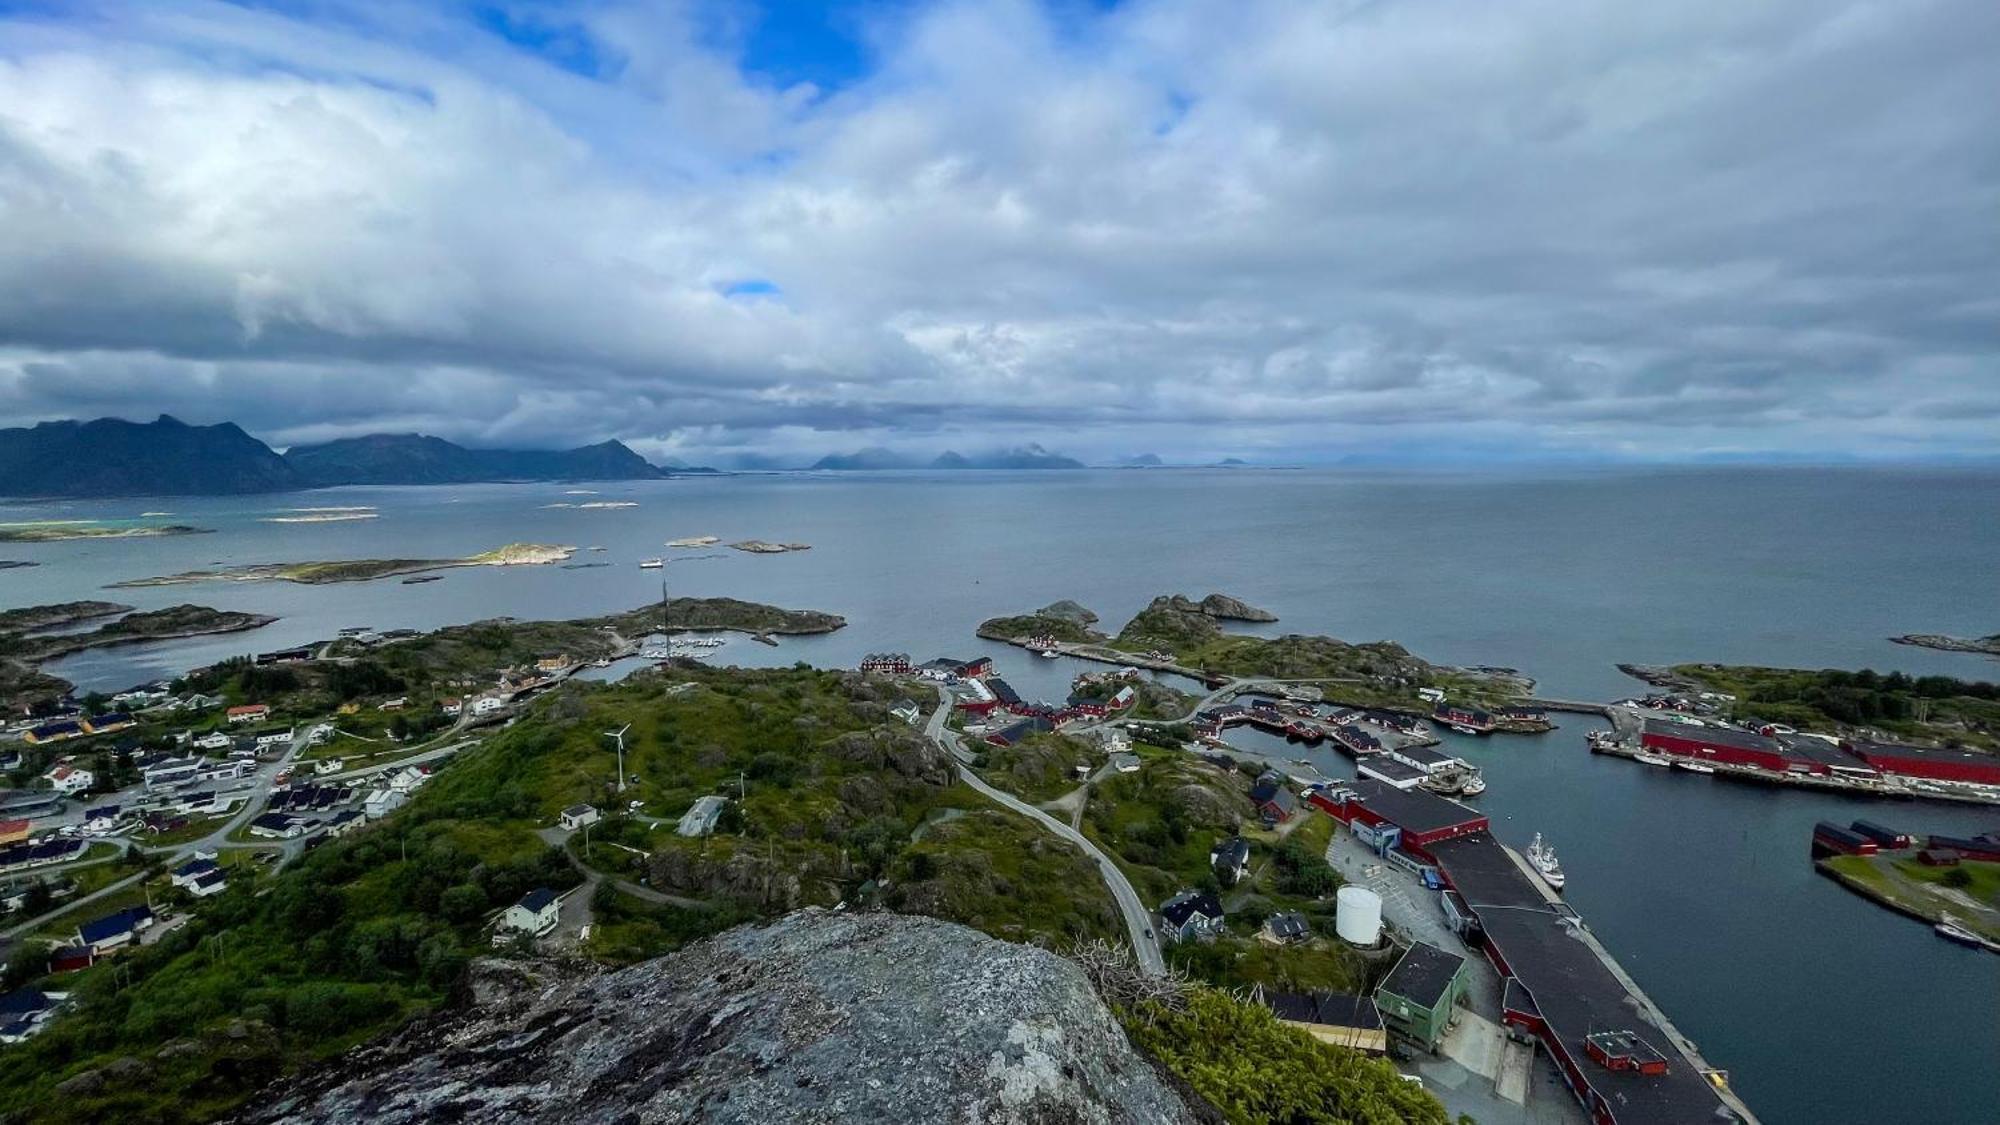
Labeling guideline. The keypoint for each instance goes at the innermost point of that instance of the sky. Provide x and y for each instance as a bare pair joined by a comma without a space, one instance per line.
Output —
1290,231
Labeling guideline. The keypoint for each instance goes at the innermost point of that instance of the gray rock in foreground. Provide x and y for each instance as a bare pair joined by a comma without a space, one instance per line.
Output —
817,1017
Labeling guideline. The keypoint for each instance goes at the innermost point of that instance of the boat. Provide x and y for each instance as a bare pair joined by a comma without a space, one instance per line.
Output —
1950,929
1463,729
597,548
416,579
1546,864
1474,786
1652,759
1050,654
651,564
1695,767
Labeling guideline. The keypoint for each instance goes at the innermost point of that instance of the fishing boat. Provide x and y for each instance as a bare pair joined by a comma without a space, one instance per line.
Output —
1050,654
651,564
1474,785
1546,865
1695,767
1653,759
1463,729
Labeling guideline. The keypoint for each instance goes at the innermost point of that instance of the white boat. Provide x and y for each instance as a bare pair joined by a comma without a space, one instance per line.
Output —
1653,759
1695,767
1546,865
1050,654
1474,786
651,564
1461,728
597,548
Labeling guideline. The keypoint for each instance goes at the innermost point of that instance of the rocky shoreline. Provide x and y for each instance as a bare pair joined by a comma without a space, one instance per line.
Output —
1984,646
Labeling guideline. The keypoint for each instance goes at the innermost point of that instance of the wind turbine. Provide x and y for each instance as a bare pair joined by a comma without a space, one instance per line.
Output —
619,734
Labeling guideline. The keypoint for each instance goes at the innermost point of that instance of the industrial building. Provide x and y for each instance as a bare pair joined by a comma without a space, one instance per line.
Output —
1418,996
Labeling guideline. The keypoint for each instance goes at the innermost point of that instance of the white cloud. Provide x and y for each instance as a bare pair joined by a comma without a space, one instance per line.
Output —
1262,225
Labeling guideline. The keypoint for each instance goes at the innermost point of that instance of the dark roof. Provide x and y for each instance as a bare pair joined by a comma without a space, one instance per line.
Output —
195,867
1179,909
1412,811
111,925
1423,975
1003,691
1384,766
578,810
24,1002
537,900
1821,751
210,879
1233,852
110,719
1556,974
272,820
1289,924
1718,736
1897,752
64,727
1333,1009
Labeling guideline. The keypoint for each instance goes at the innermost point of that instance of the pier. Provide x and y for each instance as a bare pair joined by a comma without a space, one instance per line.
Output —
1560,985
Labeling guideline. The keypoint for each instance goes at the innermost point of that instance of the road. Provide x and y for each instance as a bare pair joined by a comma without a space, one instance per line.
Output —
1138,918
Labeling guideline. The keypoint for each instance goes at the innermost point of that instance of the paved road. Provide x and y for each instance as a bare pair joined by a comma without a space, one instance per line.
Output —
1138,919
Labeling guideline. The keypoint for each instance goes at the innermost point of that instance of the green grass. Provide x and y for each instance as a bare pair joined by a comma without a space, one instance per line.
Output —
998,872
1955,712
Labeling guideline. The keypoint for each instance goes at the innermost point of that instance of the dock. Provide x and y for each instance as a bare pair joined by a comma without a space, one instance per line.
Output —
1560,985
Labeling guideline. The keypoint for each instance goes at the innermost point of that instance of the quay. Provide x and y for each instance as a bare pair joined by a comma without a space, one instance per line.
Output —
1620,1056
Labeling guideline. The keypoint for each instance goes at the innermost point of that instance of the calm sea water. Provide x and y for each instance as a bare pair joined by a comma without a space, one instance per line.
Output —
1824,1008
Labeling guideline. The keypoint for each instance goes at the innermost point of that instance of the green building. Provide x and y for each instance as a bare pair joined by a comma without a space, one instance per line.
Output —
1417,996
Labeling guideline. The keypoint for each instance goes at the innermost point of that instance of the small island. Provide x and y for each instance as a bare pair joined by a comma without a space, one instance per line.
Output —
58,531
30,618
1985,646
1178,634
693,541
358,570
12,564
760,547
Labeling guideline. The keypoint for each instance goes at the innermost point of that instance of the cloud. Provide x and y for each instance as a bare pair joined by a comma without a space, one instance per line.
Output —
1283,227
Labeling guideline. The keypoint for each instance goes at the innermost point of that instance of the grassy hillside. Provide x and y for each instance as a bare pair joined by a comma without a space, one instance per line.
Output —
364,932
1939,708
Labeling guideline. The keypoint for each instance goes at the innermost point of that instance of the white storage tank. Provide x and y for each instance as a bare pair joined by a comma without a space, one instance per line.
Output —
1358,916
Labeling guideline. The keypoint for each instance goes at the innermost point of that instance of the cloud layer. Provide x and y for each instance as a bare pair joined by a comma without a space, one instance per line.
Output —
1287,230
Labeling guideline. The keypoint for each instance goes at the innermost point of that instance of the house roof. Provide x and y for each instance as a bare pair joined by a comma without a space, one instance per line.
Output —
537,900
1423,975
579,810
1233,852
1333,1009
1290,924
1178,909
273,820
111,925
194,868
24,1002
213,878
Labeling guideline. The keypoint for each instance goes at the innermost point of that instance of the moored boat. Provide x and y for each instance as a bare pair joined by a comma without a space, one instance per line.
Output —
651,564
1950,929
1695,767
1543,857
1653,759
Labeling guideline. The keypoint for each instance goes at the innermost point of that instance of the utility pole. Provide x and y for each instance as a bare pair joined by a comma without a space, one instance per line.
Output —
619,734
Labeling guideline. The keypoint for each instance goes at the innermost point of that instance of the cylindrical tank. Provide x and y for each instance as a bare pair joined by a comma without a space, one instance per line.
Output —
1358,916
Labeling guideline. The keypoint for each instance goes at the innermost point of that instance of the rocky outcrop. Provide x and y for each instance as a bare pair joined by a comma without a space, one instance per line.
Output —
1988,646
1067,610
818,1017
1222,607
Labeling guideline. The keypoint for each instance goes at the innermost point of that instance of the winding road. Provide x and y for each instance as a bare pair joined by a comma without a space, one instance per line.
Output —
1138,919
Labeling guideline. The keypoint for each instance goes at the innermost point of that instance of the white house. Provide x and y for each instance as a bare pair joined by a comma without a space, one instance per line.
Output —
269,738
537,913
214,740
343,822
487,704
68,779
408,779
577,816
170,771
1431,694
382,802
1125,763
700,820
193,869
451,706
213,883
331,765
1191,916
248,713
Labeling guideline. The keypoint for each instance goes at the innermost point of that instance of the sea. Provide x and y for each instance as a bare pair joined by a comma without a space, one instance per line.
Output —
1821,1006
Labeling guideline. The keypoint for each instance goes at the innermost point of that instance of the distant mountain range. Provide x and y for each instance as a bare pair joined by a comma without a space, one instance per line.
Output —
1022,457
113,457
420,459
167,457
